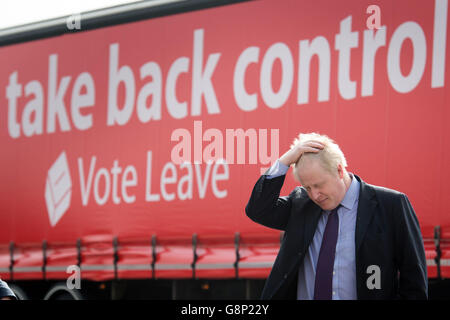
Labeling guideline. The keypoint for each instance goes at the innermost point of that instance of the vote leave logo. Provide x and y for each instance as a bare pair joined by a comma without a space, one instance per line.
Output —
58,189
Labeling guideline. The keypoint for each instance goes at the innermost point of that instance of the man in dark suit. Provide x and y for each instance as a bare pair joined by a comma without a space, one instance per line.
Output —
344,238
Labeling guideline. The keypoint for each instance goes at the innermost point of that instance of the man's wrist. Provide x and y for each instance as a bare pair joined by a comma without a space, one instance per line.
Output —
284,161
277,169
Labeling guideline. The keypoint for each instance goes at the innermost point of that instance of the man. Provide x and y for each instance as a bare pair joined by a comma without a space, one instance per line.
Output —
344,238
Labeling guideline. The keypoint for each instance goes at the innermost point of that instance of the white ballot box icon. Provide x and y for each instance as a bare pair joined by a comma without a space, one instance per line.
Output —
58,189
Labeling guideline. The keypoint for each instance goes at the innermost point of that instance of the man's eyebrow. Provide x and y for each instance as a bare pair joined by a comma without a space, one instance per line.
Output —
314,184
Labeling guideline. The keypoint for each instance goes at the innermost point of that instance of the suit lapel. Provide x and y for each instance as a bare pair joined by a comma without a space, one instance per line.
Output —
310,224
366,208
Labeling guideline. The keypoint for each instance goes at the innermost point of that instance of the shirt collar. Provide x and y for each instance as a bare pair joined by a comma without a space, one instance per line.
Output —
352,194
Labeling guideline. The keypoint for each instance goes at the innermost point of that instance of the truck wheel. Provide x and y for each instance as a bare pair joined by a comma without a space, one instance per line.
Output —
19,292
60,292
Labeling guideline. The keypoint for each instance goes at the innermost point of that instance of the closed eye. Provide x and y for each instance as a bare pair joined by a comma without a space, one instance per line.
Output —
315,186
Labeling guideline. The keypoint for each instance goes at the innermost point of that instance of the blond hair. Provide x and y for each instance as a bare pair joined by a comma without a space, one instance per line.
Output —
331,155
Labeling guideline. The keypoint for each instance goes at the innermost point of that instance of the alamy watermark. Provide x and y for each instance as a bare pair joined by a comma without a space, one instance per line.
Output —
74,279
374,20
233,146
73,22
374,280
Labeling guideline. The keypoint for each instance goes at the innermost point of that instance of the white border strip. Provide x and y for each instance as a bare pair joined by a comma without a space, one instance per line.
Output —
103,12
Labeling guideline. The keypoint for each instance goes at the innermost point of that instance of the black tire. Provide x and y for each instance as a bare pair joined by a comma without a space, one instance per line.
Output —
60,292
19,292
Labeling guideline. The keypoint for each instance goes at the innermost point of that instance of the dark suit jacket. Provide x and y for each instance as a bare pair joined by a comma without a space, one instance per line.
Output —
387,235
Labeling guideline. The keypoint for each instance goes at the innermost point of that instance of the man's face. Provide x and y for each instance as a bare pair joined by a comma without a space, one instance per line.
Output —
324,188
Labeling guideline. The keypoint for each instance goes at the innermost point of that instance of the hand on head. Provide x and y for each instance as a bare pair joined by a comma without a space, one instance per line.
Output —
293,155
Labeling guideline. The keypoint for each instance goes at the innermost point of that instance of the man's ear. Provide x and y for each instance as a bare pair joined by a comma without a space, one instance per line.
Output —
294,173
340,171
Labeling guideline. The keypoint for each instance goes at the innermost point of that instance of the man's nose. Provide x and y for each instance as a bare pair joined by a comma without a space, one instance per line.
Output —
315,194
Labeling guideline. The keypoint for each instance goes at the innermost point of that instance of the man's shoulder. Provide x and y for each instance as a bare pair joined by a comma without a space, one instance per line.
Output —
384,190
383,193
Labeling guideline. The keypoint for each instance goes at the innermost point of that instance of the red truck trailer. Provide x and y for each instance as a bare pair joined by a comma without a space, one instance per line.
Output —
131,137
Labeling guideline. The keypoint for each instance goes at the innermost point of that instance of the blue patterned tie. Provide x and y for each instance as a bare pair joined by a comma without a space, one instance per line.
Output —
323,286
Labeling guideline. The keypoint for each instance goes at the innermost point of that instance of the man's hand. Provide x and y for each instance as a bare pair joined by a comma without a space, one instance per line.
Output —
294,154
